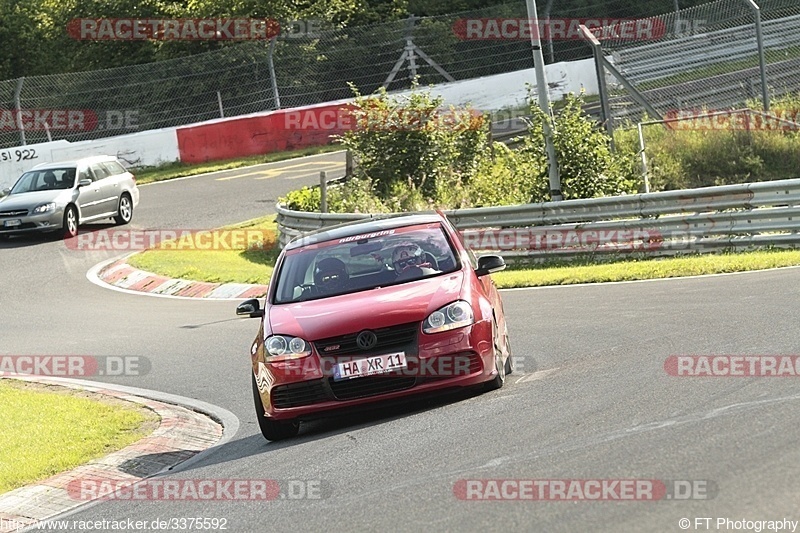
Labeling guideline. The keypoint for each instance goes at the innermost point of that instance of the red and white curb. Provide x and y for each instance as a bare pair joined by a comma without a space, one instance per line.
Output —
182,433
119,275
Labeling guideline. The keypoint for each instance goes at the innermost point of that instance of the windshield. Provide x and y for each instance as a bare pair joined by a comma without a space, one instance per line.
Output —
364,262
45,180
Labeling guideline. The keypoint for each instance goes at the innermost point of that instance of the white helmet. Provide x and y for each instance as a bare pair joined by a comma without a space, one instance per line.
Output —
406,255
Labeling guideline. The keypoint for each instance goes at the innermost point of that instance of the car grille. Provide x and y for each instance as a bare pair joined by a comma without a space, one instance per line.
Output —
387,338
17,213
298,394
351,389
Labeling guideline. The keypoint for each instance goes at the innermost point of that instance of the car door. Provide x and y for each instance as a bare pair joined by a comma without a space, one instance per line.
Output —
109,189
89,198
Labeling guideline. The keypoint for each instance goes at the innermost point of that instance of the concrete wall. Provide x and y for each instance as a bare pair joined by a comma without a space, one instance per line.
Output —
148,148
491,93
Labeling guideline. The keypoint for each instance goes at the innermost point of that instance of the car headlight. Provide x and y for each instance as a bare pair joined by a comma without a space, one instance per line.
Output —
283,347
44,208
452,316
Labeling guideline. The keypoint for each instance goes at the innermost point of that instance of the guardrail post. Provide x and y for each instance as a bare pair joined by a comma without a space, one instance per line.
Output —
349,166
644,158
323,191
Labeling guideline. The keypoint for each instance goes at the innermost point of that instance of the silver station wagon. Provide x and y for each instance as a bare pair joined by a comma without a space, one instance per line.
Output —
60,196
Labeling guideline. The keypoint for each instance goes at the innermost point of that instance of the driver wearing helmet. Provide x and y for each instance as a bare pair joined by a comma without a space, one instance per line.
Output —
330,276
409,261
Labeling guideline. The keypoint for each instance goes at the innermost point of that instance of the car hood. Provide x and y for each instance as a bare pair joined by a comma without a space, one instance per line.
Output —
29,200
370,309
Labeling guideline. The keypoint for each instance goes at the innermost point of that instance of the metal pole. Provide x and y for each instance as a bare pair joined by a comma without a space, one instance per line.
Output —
544,102
678,29
644,159
271,66
349,165
323,192
412,59
219,101
603,90
761,61
47,130
18,108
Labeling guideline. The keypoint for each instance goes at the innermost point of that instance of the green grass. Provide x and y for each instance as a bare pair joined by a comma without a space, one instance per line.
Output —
639,269
47,430
216,266
179,170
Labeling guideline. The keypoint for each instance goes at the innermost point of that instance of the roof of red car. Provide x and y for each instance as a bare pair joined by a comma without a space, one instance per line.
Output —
357,227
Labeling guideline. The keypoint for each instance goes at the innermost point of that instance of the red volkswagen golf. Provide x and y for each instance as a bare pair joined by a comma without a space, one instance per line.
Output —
371,311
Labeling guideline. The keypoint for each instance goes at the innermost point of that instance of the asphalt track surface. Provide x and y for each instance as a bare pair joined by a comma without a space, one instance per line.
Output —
591,401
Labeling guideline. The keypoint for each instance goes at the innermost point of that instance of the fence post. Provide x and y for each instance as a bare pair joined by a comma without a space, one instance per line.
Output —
548,125
349,166
644,158
18,109
323,191
219,101
272,78
605,107
761,61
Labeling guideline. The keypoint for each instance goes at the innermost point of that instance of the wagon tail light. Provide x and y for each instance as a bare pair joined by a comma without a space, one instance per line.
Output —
283,348
452,316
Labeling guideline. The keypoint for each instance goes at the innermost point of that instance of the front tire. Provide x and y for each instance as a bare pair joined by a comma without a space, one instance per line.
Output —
124,210
70,227
272,429
500,379
510,365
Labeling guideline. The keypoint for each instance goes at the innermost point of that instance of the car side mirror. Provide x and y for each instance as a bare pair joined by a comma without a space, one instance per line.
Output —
5,192
488,264
250,308
84,183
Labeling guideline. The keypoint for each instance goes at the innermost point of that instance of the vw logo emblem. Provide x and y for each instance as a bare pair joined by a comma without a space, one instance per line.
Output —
366,340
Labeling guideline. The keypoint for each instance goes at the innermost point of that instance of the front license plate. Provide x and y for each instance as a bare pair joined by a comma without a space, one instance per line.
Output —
380,364
13,223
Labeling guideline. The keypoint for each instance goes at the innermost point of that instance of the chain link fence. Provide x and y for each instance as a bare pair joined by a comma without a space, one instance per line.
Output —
236,79
708,58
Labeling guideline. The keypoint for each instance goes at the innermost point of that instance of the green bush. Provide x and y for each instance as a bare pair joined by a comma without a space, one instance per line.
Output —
414,143
305,199
588,167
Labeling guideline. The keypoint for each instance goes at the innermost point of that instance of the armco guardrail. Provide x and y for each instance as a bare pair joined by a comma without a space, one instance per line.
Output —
656,224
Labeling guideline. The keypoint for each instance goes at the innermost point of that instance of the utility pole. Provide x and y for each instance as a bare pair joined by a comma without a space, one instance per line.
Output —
544,102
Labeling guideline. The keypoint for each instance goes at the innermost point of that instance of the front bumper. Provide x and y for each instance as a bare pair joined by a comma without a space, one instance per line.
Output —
306,388
51,221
